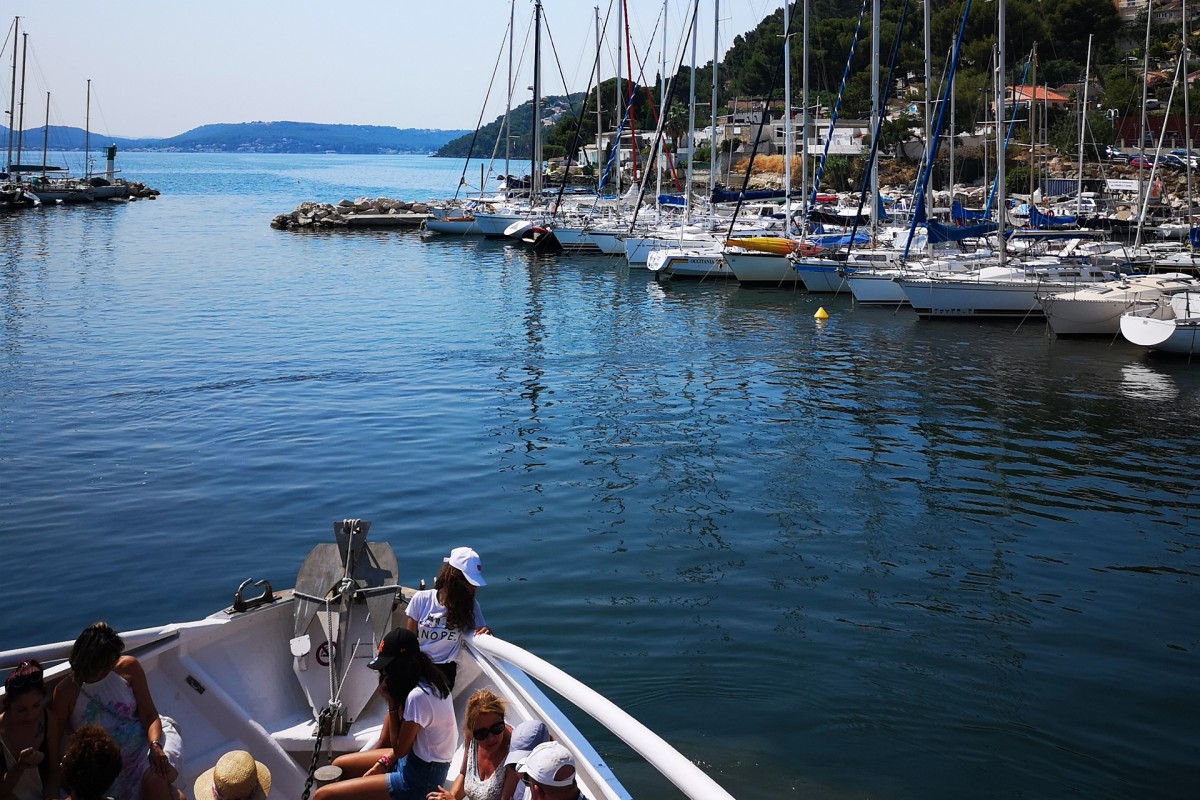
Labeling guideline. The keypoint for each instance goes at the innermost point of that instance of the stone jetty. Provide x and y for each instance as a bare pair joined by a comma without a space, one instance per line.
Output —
365,212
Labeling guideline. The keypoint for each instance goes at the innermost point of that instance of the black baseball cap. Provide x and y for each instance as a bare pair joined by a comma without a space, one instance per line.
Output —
397,642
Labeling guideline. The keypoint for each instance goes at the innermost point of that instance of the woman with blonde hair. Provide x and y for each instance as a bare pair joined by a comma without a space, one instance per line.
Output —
486,739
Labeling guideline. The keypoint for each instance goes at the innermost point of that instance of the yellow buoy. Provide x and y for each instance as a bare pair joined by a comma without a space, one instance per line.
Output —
820,314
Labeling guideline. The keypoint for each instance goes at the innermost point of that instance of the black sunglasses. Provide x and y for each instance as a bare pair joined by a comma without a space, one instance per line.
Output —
482,733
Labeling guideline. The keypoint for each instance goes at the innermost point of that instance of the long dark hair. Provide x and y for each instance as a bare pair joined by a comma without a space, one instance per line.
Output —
410,669
458,596
95,650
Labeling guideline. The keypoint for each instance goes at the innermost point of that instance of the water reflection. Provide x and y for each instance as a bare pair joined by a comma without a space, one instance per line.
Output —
1142,382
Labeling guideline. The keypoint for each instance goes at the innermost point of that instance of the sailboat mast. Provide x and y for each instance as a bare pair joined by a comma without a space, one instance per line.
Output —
599,118
87,133
46,135
12,99
804,117
691,124
928,89
1142,132
1032,120
535,176
712,131
512,10
21,118
875,203
619,105
1187,117
787,119
662,104
1001,204
1083,127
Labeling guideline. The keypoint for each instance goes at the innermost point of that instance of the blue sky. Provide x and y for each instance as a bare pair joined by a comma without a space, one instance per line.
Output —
161,67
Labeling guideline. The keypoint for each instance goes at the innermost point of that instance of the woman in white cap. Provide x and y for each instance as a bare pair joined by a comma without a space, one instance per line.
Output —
441,616
236,776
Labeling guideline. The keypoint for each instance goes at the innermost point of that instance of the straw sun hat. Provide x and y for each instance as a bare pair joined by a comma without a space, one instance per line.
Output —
237,776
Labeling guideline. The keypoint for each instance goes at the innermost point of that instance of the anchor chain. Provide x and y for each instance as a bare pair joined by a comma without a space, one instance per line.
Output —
324,727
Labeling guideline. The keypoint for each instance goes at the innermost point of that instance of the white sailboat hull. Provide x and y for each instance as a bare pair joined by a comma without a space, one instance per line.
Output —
762,269
871,288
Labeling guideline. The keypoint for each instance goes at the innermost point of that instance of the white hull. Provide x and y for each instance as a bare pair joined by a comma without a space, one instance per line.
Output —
639,248
242,679
576,240
934,297
609,242
763,269
1171,326
821,275
1097,310
871,288
454,227
689,265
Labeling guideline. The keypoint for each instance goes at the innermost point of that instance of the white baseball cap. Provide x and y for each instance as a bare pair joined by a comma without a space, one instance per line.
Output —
544,762
466,561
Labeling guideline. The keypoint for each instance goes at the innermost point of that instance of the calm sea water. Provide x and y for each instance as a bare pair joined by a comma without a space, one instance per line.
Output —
865,557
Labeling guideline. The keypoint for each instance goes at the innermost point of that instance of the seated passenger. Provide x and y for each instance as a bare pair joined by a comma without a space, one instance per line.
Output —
525,736
420,732
236,776
91,764
109,689
549,772
23,733
481,773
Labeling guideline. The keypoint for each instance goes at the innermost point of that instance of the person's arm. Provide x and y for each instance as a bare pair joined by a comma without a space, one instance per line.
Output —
457,789
480,623
512,779
411,624
65,694
29,758
131,670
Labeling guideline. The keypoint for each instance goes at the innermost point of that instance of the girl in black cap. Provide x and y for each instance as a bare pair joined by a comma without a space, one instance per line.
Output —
419,734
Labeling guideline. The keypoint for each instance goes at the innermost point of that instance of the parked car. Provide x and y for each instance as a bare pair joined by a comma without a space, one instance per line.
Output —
1193,156
1172,162
1145,162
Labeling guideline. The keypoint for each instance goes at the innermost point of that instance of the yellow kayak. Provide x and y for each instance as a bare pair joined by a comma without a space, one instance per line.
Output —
764,244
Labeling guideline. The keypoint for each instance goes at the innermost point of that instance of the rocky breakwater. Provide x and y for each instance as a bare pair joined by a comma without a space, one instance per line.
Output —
379,212
135,190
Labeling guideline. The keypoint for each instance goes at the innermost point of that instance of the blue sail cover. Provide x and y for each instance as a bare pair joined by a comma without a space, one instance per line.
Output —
1194,238
829,240
956,233
672,200
960,214
1039,220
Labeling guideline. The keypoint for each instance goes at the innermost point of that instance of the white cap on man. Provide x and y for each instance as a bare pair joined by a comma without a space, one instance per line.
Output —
545,763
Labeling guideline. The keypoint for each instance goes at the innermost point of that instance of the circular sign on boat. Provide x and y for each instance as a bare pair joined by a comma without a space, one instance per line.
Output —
323,653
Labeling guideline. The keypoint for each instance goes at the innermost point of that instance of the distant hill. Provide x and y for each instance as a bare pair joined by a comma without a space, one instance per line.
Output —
255,137
554,108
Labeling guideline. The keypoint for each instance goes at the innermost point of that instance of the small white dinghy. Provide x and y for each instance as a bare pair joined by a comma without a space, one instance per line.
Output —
284,675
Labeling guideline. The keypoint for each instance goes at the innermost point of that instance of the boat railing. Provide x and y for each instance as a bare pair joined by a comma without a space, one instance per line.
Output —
136,642
673,765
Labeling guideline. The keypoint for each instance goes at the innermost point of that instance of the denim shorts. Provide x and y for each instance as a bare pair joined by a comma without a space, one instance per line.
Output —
413,777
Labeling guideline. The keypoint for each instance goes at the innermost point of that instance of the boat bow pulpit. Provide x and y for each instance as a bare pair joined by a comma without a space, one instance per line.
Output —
344,597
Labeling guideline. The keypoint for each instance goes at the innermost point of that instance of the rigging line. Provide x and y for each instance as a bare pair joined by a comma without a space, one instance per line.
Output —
561,75
1008,134
685,37
650,101
658,133
837,103
876,202
763,118
482,110
562,187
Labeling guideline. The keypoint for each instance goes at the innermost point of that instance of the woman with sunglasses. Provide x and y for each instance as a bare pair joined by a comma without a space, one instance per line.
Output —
419,734
23,733
482,774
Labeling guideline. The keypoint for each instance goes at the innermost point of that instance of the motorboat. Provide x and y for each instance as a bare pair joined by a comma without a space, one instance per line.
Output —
689,263
283,674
